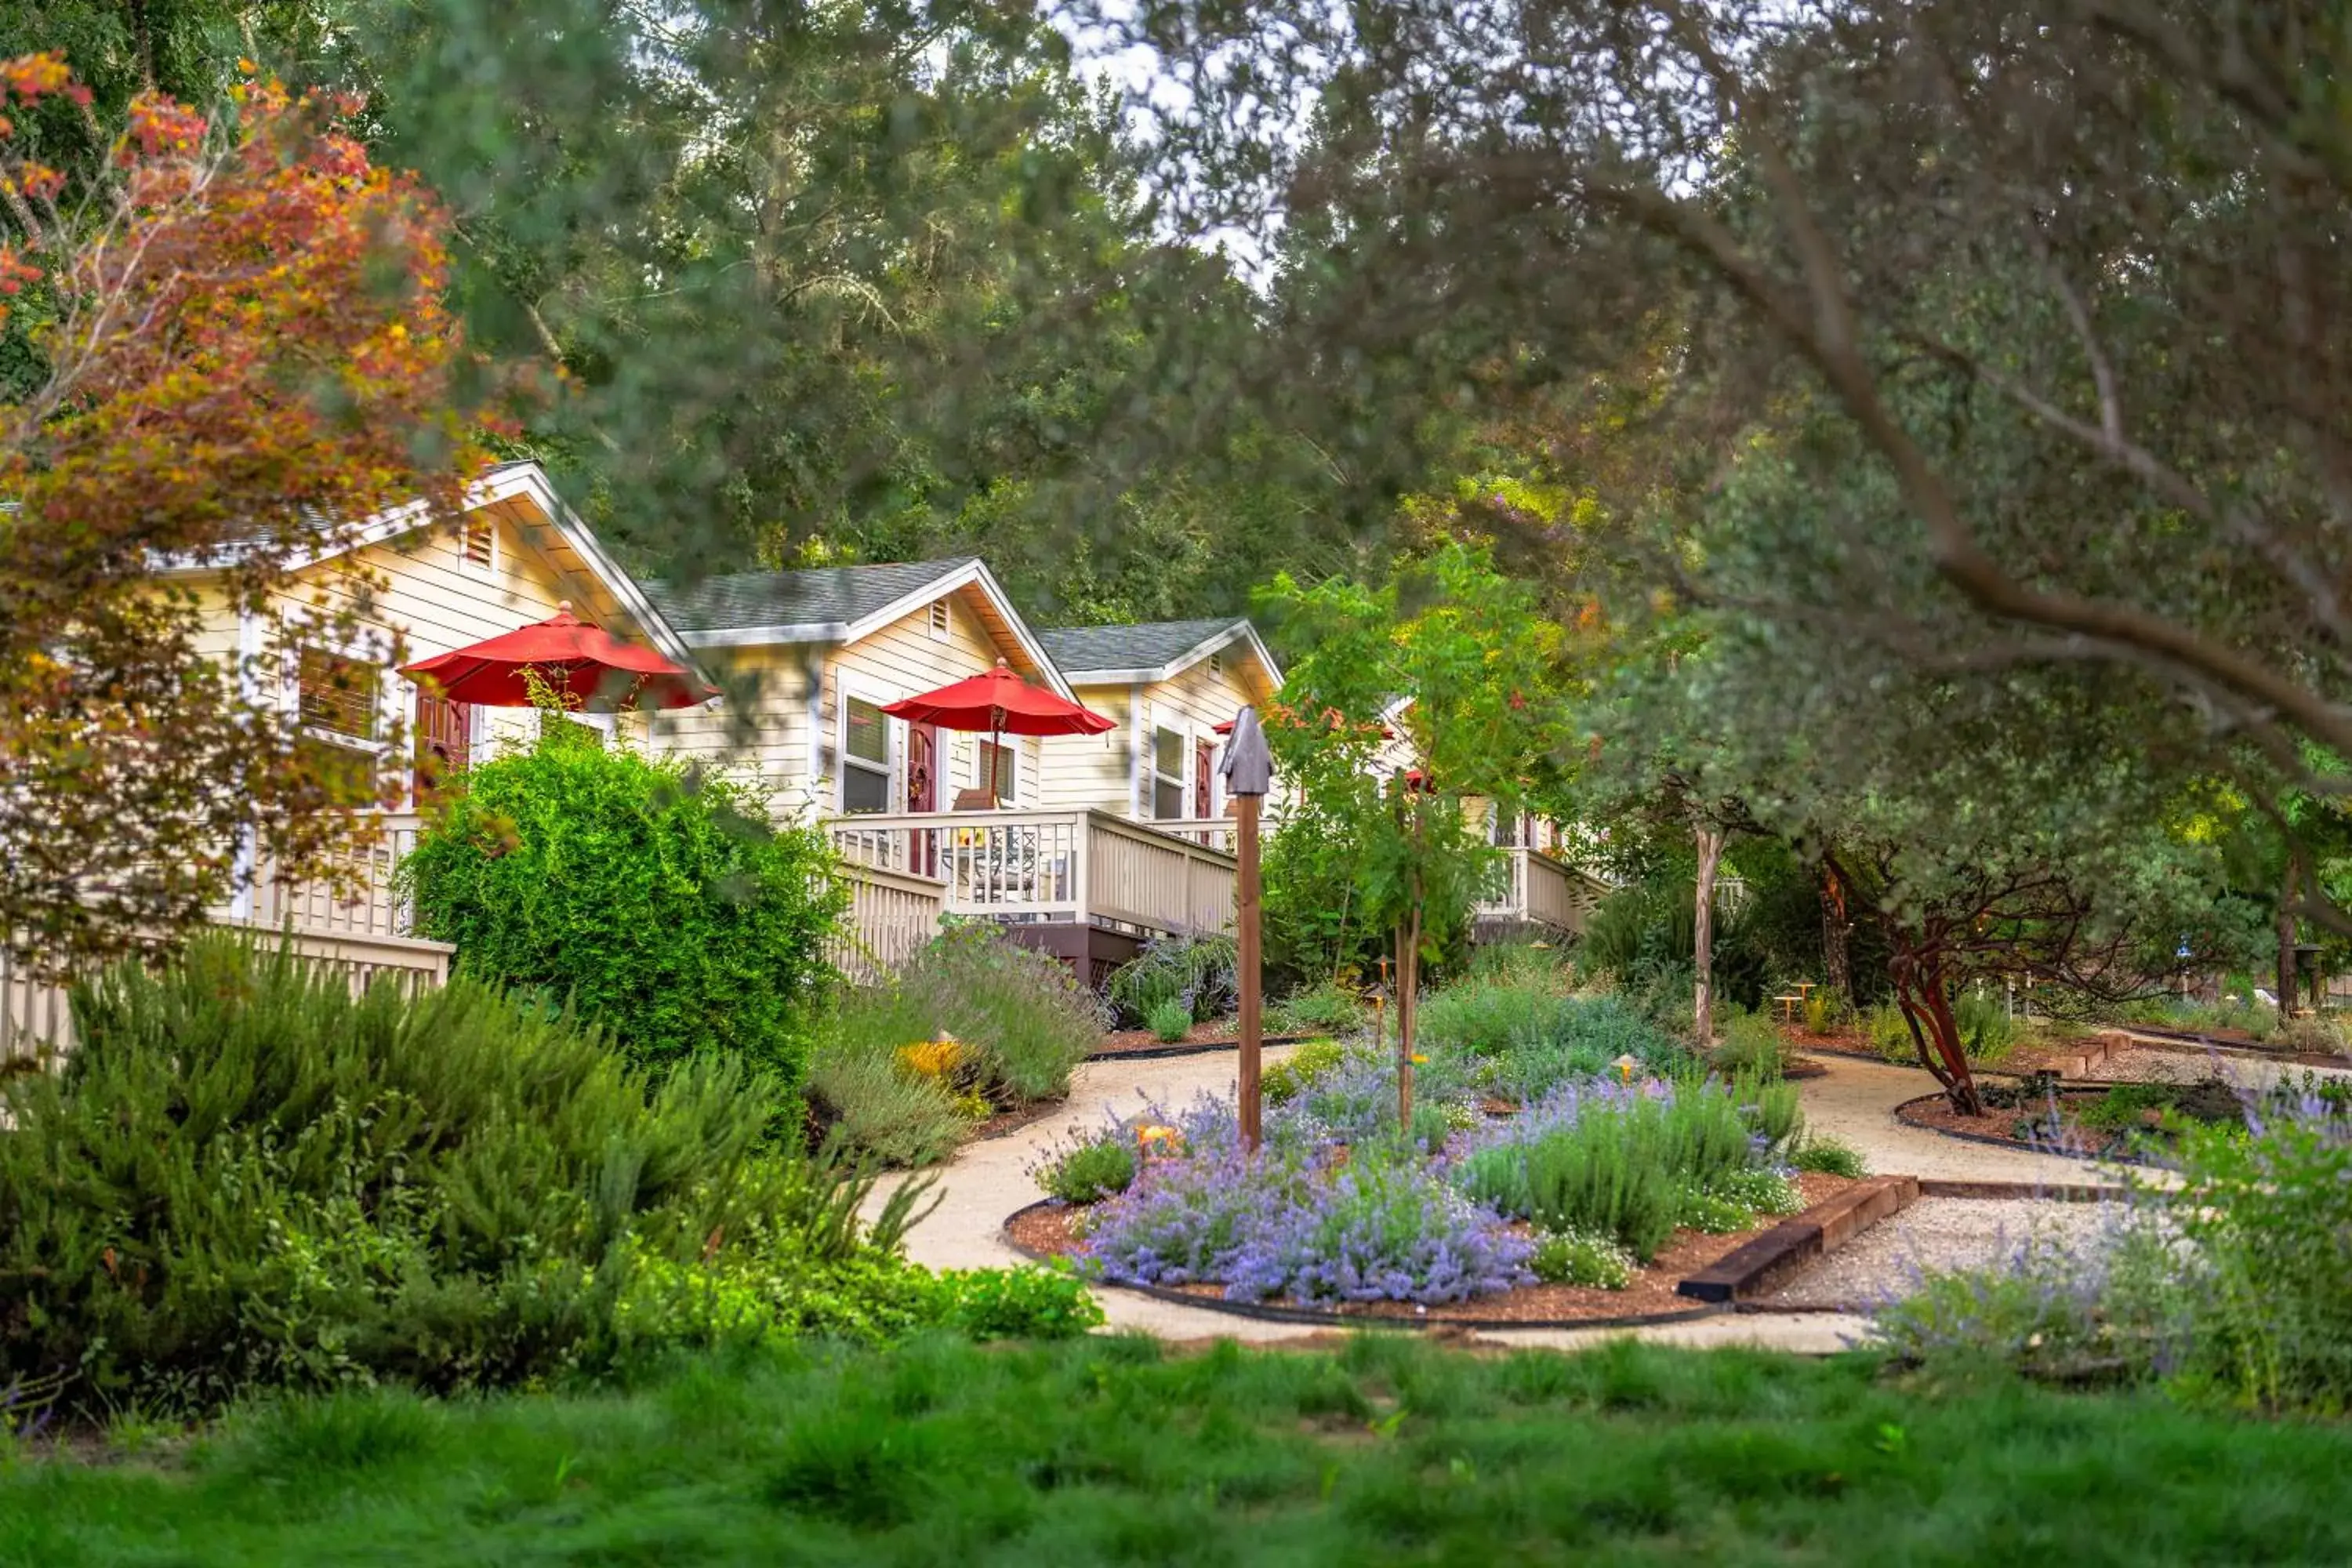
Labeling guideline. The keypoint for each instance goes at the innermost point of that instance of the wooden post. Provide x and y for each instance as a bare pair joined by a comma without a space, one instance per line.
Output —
1249,774
1248,955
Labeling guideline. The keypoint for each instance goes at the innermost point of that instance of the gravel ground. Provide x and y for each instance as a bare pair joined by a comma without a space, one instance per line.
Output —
2155,1064
1941,1234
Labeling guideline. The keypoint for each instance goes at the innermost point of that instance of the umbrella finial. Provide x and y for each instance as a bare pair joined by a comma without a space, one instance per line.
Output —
562,606
1001,663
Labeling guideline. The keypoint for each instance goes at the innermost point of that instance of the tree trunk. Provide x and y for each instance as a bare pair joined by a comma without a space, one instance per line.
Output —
143,43
1926,1003
1710,851
1836,956
2287,934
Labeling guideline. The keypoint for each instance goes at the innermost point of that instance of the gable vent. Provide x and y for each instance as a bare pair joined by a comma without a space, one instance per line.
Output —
940,618
479,543
1216,664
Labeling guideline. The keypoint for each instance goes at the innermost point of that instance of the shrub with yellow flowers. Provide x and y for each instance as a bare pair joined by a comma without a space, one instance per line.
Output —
936,1057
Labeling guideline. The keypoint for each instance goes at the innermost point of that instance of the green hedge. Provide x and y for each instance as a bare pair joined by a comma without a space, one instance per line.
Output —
657,901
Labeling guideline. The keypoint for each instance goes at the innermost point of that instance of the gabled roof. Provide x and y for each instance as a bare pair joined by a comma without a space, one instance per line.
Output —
840,604
514,480
1150,651
815,605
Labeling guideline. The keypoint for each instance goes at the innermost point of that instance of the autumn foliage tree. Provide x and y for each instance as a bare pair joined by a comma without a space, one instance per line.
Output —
243,357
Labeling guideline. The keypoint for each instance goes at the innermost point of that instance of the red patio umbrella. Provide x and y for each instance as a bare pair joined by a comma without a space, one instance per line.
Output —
1000,703
571,655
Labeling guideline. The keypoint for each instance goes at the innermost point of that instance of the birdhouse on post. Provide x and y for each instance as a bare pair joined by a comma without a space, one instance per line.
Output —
1248,770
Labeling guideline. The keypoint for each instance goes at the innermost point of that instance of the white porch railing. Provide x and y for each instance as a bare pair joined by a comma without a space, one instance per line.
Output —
367,906
360,929
1085,866
892,915
1531,886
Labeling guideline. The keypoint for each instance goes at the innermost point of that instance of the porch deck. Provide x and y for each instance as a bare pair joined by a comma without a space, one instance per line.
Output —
1531,890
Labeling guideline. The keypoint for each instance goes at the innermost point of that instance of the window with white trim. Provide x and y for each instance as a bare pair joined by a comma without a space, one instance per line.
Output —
1000,766
338,697
477,545
1168,774
864,756
339,704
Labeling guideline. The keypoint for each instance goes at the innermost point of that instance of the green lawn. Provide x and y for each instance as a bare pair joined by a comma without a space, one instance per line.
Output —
1109,1452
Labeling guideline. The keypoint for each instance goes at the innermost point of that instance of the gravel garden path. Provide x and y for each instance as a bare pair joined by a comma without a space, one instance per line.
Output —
1854,1100
1938,1233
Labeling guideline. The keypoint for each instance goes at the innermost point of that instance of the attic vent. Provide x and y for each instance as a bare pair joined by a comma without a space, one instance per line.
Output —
1216,664
479,543
939,619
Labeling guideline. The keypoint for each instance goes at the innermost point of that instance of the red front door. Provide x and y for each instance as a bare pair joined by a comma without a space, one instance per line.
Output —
923,790
443,735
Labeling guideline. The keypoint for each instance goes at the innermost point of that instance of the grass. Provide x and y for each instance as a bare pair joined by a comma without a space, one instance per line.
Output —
1115,1451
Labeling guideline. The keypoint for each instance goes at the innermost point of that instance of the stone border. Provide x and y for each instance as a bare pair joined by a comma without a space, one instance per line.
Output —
2041,1192
1759,1265
1824,1227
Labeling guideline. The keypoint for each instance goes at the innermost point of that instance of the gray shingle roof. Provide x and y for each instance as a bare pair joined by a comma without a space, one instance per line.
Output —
1081,650
821,597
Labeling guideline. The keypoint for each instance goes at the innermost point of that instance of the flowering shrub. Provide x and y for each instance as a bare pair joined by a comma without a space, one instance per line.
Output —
1184,1220
2236,1283
1582,1257
1300,1219
1377,1230
931,1058
2113,1304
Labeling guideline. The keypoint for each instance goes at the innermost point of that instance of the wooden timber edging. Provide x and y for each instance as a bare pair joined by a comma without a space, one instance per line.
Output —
1753,1268
1763,1263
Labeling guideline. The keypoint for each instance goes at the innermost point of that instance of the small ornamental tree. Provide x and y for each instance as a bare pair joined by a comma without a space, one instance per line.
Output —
1488,676
655,900
242,356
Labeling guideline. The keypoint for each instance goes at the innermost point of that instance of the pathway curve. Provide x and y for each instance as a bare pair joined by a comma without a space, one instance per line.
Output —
989,1180
1855,1101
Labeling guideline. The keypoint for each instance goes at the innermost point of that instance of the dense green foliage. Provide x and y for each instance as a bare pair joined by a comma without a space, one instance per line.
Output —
1091,1169
1518,1034
1116,1451
1020,1023
658,902
1630,1166
244,1178
1194,973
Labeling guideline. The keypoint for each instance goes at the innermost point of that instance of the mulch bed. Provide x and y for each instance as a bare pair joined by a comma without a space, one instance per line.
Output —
1047,1230
1935,1113
1216,1034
